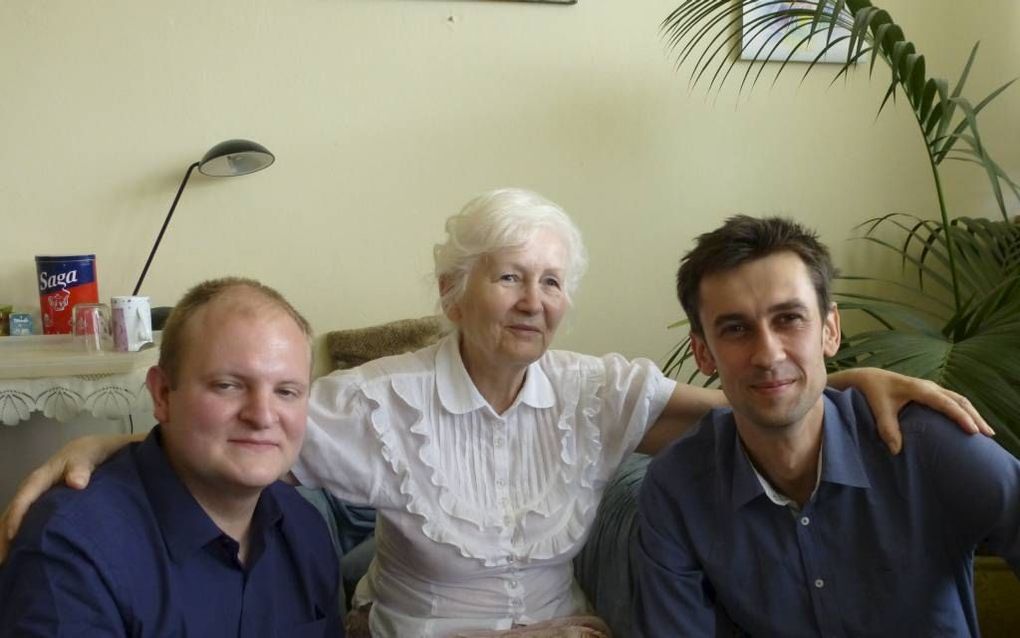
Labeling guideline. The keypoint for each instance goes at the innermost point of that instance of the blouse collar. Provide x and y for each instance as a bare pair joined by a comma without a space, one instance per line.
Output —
458,394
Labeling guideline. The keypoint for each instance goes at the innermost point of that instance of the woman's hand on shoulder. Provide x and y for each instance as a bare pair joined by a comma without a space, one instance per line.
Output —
73,463
888,392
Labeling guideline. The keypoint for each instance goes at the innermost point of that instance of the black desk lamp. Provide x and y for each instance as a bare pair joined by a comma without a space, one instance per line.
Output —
226,159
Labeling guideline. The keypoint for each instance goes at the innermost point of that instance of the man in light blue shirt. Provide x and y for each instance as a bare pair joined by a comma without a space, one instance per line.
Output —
787,515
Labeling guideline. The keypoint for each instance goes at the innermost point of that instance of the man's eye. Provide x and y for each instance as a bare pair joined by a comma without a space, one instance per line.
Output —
509,277
791,317
224,385
733,330
289,393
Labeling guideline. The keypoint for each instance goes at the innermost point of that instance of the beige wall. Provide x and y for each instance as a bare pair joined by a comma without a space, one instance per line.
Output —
386,115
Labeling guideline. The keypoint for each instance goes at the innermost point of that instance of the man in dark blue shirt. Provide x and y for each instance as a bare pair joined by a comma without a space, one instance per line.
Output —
786,515
189,532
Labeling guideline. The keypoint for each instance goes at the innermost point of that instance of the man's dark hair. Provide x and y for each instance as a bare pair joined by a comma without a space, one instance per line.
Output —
742,239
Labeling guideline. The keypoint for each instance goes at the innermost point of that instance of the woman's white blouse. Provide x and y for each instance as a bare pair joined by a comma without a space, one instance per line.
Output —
479,513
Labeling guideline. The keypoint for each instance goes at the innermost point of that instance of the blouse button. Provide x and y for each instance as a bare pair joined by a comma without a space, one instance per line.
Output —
500,483
499,441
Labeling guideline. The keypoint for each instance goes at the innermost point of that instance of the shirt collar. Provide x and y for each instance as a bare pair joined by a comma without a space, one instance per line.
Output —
185,525
458,393
839,460
841,454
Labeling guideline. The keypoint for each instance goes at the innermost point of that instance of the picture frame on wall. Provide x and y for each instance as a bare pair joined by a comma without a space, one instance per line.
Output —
758,41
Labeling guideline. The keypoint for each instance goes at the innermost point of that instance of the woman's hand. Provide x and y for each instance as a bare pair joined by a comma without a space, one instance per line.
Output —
887,392
73,463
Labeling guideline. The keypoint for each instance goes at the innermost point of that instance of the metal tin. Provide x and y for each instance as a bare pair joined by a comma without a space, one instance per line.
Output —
63,282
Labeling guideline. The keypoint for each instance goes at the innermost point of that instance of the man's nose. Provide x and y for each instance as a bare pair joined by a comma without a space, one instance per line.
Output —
768,349
258,408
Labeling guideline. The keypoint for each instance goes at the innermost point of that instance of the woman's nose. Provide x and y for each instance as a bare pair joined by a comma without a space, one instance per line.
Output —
530,300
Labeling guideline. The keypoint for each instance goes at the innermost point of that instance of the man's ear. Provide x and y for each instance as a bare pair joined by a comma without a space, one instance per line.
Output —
159,388
831,335
702,355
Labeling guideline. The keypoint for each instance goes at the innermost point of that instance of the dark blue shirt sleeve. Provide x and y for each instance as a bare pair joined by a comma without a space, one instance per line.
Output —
978,483
50,587
672,594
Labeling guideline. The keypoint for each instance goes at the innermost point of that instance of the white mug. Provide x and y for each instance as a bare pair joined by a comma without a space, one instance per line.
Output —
132,323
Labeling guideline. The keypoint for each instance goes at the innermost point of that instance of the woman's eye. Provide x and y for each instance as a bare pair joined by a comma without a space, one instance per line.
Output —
552,281
508,277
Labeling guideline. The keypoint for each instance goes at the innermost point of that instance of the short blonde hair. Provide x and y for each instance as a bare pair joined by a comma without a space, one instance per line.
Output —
497,220
174,341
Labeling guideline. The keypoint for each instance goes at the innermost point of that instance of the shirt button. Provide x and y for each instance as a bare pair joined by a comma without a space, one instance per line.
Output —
507,520
514,583
819,583
499,441
500,483
517,602
805,521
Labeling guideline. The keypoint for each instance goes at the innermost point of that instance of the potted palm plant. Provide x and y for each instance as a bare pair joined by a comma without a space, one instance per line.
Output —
953,313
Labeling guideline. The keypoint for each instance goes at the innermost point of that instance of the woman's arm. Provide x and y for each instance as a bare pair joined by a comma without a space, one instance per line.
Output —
887,393
73,463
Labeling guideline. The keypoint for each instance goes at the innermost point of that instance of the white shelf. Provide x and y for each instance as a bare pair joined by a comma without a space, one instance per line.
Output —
56,356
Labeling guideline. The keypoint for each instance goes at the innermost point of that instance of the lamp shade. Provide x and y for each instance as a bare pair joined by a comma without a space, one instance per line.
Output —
235,157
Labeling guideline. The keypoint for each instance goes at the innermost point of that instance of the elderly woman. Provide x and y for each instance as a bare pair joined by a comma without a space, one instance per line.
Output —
487,454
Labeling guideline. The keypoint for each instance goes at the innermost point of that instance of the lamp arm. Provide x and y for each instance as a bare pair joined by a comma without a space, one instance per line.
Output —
166,222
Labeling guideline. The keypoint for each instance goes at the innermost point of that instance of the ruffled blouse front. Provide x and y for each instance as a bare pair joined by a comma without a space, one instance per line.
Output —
479,513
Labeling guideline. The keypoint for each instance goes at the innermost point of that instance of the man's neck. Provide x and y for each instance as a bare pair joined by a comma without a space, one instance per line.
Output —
233,516
230,510
787,457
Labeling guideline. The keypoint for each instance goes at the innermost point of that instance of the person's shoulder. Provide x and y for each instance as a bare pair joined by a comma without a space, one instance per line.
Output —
929,432
302,519
559,362
112,498
696,455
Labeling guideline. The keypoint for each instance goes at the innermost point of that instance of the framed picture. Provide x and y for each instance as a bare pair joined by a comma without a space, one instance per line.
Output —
546,1
784,35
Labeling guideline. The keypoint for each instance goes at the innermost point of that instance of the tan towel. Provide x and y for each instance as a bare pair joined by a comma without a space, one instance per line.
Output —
350,348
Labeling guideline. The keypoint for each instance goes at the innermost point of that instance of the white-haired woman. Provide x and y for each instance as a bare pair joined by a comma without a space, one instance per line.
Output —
486,455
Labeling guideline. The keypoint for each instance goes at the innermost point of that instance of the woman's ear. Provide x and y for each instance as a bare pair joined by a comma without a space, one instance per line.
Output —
450,308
